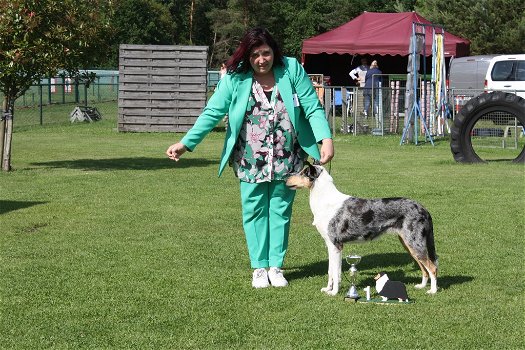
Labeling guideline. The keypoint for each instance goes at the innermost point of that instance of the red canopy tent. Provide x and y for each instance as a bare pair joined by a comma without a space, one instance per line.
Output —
375,34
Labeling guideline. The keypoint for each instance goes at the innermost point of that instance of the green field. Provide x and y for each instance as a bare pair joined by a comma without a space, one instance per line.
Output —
107,244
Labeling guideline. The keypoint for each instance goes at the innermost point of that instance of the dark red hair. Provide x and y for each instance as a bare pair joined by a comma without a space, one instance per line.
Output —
239,62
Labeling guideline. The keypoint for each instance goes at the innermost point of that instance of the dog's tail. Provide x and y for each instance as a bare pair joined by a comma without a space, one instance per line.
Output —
431,247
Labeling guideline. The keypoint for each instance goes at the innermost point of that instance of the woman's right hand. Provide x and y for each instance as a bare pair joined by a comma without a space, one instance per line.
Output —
327,151
175,151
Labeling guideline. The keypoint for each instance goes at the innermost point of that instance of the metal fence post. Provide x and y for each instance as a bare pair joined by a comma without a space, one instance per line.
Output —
98,89
77,94
40,102
49,90
63,90
85,95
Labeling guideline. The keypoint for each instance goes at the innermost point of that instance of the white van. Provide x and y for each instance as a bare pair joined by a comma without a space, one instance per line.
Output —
506,73
466,78
467,73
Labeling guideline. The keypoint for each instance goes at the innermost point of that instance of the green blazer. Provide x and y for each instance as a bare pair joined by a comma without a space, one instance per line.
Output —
231,97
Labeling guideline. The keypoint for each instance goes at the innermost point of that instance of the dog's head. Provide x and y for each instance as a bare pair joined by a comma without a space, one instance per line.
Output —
306,178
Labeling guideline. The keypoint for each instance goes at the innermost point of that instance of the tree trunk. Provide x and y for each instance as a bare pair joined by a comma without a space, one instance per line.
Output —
2,128
213,47
8,133
246,11
192,9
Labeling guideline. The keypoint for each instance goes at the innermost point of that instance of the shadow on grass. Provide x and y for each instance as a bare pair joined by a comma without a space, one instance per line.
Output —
7,206
372,264
131,163
509,160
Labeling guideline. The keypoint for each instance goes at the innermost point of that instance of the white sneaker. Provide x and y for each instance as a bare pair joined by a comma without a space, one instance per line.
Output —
260,278
276,277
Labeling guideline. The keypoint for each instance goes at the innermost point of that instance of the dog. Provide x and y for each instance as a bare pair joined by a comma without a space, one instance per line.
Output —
388,289
341,218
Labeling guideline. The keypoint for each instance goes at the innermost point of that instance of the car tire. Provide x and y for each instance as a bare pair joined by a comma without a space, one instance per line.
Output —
472,111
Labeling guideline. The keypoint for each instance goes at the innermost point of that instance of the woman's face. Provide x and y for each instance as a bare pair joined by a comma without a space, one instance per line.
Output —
261,59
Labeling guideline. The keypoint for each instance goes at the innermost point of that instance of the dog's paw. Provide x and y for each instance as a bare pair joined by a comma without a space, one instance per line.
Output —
329,291
432,291
326,289
420,286
333,292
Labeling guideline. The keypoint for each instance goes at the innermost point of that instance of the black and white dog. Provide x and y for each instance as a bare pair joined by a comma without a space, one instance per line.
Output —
340,218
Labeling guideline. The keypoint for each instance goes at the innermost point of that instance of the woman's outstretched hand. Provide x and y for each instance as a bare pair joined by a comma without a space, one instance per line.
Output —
175,151
327,151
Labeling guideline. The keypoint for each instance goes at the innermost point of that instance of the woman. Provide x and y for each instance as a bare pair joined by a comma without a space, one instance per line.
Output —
372,81
275,121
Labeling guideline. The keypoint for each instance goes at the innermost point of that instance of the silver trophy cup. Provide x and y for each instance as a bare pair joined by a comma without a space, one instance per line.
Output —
352,260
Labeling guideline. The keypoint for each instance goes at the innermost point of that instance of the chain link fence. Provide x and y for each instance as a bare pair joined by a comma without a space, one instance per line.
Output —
346,108
53,100
388,114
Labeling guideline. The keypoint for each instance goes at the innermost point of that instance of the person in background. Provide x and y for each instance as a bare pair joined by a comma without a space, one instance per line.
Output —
275,122
372,82
358,74
223,70
222,73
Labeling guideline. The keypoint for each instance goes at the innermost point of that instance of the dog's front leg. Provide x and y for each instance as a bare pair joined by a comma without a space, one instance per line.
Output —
334,269
330,284
337,251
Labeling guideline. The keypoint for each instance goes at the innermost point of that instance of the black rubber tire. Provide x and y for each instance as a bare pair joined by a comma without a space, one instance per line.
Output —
472,111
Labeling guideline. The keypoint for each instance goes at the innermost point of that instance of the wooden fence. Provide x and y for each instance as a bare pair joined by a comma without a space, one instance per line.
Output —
161,87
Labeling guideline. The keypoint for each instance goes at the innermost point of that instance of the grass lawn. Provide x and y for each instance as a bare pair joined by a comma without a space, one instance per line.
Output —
105,243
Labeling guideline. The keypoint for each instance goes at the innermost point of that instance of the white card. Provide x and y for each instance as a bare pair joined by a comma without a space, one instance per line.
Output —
296,101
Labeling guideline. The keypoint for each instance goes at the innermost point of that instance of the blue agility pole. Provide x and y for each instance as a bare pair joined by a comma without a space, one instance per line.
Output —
418,32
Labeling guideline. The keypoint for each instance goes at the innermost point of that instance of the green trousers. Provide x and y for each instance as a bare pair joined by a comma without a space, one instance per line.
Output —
266,214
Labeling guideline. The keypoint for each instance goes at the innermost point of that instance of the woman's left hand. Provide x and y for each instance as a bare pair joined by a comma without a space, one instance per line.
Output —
327,151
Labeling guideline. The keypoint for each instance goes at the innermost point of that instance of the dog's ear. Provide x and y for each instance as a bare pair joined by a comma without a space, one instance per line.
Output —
313,172
306,168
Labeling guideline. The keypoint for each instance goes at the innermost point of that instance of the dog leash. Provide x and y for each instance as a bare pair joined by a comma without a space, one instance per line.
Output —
317,162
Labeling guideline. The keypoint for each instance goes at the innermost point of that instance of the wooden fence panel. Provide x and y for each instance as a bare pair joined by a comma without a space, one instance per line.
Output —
162,88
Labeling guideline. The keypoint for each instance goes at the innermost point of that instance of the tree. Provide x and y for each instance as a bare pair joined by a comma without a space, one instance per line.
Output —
492,26
230,20
40,37
189,16
227,27
307,18
145,22
219,24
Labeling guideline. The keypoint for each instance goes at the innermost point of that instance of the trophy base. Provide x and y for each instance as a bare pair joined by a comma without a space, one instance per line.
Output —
352,299
352,293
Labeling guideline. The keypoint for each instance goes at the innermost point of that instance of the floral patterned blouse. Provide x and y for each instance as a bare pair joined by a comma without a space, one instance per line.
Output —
267,148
